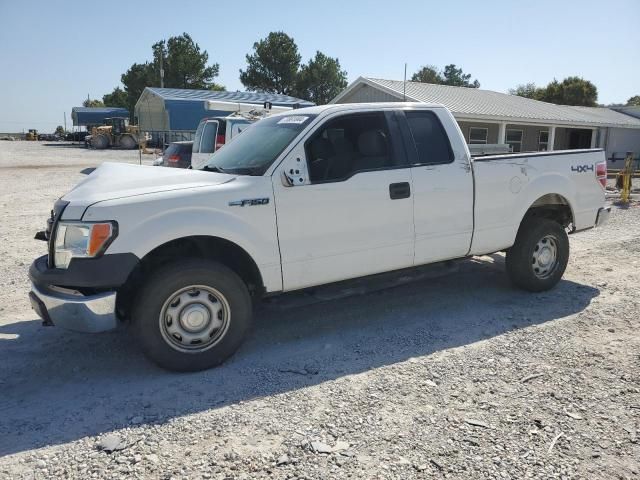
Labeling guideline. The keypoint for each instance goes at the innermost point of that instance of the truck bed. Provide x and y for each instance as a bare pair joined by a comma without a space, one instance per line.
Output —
506,186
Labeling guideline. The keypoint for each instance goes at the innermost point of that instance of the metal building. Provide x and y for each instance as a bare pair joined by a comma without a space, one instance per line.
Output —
177,112
88,116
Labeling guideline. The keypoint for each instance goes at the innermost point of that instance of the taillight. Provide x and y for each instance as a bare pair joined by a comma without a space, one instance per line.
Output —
219,141
174,158
601,173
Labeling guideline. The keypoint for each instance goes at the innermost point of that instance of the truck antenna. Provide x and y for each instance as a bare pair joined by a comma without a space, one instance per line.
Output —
404,84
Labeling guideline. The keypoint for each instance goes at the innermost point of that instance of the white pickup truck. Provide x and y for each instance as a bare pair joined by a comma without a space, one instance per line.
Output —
300,199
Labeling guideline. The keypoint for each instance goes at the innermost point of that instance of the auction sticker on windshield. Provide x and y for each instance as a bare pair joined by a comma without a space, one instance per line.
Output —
298,119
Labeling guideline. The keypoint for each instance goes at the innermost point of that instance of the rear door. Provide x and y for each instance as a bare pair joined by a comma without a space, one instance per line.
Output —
204,143
442,186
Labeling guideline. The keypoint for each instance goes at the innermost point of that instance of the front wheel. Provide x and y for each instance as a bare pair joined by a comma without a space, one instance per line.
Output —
127,142
192,315
538,258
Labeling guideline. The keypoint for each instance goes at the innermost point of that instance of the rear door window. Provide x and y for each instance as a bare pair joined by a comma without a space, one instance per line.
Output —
429,137
208,141
172,149
237,127
198,137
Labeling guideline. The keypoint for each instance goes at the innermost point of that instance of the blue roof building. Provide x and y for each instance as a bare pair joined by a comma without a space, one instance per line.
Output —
175,109
86,116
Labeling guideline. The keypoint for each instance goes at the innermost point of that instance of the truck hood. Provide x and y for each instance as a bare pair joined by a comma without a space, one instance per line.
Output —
119,180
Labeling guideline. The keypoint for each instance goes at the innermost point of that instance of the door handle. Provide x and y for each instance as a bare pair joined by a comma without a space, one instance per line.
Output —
399,190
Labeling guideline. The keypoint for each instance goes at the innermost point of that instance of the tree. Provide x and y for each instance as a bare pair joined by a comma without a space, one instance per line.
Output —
59,130
571,91
135,79
117,98
634,101
457,78
428,74
527,90
92,103
321,79
450,76
185,66
273,66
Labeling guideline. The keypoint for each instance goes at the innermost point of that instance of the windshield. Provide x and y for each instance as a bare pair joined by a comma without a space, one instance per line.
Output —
259,145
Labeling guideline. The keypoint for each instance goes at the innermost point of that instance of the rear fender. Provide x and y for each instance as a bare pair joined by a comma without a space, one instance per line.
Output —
549,183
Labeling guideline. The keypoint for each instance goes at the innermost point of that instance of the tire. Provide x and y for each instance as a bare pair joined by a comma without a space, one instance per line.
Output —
127,142
100,142
538,258
168,313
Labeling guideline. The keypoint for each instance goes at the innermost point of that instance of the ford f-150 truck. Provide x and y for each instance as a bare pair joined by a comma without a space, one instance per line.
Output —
300,199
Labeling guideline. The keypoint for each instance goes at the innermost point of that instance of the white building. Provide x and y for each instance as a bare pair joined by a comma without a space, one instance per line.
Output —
487,117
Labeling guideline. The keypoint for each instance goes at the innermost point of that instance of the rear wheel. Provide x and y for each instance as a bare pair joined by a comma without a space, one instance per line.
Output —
192,315
128,142
538,258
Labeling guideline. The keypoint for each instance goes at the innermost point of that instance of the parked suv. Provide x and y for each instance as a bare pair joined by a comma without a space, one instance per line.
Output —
177,155
213,133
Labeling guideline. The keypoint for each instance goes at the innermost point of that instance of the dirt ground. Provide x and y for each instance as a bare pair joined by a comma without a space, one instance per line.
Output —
453,374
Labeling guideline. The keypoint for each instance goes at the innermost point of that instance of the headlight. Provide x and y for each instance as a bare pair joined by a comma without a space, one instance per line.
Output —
81,240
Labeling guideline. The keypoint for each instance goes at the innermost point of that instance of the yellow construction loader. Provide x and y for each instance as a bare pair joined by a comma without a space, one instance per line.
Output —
31,135
116,132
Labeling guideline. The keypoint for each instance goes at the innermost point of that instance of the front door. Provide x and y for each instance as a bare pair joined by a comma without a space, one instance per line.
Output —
355,215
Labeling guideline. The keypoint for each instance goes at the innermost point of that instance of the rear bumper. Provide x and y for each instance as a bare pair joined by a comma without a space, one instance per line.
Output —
603,216
74,311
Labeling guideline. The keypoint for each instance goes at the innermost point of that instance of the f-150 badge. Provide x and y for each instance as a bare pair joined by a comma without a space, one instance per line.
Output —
249,202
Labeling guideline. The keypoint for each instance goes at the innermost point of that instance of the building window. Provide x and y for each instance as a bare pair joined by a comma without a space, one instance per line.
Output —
514,139
543,141
478,136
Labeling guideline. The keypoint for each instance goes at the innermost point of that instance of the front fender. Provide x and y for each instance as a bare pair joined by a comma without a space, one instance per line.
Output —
146,223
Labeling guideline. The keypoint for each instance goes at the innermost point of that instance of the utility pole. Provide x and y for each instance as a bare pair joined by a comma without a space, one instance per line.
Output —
161,69
65,122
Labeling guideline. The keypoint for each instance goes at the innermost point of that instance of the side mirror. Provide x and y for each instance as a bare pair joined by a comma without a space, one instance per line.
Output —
294,172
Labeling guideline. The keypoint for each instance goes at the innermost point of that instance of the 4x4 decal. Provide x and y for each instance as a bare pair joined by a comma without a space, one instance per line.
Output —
582,168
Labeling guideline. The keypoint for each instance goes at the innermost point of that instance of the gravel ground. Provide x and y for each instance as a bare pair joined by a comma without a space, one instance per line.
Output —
449,375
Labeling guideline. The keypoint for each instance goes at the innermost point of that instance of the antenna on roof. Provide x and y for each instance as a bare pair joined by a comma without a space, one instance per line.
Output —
404,84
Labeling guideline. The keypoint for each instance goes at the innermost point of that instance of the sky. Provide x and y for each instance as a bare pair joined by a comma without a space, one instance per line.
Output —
54,54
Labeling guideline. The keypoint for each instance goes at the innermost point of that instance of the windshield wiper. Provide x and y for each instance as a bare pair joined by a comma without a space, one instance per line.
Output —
246,171
213,168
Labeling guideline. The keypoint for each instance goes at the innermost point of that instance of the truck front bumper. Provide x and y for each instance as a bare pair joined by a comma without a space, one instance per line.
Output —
74,311
83,296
